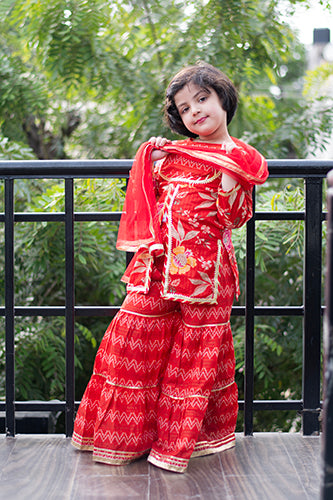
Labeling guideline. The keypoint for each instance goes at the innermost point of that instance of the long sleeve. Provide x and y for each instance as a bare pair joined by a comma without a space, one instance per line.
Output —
234,207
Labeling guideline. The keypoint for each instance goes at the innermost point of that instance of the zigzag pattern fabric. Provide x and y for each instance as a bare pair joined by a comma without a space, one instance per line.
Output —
163,382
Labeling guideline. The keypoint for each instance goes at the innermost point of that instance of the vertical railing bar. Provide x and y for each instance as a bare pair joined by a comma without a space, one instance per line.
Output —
327,420
249,325
9,307
70,306
312,305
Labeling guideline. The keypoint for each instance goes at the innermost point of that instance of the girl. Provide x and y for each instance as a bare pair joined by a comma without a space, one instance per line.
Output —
163,381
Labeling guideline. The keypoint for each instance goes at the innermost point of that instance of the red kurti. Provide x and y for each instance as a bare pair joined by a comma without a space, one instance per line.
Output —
163,381
196,217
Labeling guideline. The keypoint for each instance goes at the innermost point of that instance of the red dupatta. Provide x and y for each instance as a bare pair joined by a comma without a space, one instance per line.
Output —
139,225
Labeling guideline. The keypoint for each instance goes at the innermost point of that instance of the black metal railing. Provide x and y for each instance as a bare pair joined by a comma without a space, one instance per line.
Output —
327,438
312,171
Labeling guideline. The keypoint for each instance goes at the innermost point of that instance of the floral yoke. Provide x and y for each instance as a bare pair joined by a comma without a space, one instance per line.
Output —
196,218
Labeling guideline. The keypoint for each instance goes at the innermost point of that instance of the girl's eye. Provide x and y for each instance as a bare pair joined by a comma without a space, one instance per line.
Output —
184,110
202,99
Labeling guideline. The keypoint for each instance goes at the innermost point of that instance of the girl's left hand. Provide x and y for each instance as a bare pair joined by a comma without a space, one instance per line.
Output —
159,142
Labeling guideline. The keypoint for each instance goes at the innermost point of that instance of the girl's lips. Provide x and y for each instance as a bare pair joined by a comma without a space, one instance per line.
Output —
201,120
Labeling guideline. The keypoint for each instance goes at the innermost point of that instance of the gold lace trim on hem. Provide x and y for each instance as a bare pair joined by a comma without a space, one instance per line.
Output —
81,443
206,448
168,462
114,457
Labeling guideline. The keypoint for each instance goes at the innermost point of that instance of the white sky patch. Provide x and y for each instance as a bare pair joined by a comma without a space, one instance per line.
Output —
306,20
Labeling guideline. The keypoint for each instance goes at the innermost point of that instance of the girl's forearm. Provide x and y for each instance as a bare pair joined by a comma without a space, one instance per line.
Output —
227,182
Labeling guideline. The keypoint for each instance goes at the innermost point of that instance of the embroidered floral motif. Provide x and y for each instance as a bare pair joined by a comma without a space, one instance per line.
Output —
202,284
205,229
206,264
181,261
203,242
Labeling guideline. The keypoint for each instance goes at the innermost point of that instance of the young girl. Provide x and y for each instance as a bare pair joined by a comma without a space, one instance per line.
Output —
163,381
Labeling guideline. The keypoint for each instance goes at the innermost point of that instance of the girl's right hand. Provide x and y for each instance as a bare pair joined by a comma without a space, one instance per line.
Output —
157,154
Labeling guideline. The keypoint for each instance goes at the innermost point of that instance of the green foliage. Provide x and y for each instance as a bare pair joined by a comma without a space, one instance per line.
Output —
10,150
40,280
279,282
86,79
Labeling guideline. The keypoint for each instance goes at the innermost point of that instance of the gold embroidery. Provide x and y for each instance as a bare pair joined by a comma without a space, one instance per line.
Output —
206,325
207,448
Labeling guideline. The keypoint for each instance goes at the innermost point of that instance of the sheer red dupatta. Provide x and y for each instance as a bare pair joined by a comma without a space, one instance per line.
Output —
139,225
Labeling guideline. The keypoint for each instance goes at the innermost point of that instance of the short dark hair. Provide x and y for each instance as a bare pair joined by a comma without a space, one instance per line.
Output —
206,76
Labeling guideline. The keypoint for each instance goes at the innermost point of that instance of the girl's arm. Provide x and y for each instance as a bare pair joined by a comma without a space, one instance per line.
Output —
234,206
227,182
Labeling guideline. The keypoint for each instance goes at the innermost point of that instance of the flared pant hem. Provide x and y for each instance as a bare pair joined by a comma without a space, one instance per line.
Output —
83,444
206,448
113,457
168,462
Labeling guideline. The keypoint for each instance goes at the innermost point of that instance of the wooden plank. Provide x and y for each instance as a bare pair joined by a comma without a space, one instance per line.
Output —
38,467
261,454
6,446
305,452
203,479
99,481
260,467
265,488
265,466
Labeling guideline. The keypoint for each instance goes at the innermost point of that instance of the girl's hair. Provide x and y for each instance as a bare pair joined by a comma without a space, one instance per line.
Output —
206,76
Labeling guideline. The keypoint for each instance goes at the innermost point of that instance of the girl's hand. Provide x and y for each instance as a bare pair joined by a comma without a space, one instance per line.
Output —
159,142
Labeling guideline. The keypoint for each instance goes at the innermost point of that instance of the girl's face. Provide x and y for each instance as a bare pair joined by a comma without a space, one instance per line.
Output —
202,113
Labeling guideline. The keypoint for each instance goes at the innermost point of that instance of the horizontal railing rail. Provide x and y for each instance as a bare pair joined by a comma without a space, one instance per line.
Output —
312,171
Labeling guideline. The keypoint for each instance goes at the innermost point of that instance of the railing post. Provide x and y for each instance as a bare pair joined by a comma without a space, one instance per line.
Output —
9,307
312,305
70,306
327,437
249,325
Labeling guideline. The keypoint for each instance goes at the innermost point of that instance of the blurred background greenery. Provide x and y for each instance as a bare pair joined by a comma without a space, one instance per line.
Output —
86,79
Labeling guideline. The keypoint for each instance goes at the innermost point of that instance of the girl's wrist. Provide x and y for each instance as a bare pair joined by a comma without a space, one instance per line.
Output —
228,182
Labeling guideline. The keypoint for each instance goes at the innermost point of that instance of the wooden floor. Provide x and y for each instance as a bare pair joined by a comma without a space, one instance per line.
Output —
266,466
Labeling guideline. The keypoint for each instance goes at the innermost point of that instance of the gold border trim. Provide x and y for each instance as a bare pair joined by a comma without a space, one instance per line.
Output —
114,457
210,448
168,462
81,443
185,397
206,325
224,387
147,315
137,387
